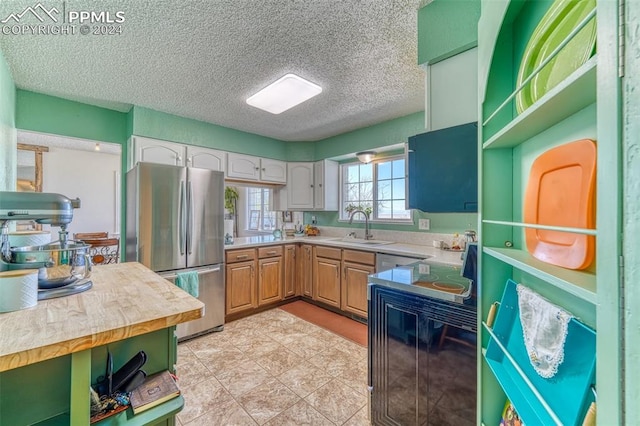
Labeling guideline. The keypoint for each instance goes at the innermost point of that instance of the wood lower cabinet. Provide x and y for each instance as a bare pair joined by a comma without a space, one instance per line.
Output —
241,287
354,287
326,276
356,267
241,293
270,274
290,269
269,280
305,270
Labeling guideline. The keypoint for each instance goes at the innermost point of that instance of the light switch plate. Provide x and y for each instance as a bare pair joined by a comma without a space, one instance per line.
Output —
424,269
424,224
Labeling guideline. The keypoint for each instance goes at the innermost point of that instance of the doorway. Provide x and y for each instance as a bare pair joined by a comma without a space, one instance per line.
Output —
76,168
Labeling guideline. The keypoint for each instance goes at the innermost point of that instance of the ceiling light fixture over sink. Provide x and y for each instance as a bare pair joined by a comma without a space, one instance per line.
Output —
286,92
366,156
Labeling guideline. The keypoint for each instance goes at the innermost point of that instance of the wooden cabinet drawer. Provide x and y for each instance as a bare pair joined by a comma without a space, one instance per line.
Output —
328,252
270,251
363,257
240,255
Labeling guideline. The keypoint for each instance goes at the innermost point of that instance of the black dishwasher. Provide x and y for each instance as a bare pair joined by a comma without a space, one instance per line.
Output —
422,359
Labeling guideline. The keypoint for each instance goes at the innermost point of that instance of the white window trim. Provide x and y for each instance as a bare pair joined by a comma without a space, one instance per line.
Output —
358,219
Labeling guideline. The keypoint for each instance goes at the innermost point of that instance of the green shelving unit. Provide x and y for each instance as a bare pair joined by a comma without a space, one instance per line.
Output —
583,106
56,391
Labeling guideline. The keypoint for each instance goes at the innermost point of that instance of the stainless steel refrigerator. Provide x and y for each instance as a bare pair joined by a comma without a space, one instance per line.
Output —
175,224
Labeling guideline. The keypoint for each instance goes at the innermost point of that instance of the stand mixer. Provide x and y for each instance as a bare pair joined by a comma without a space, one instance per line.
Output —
64,256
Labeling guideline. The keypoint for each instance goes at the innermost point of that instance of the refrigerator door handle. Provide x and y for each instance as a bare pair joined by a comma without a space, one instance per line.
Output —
182,218
200,272
190,219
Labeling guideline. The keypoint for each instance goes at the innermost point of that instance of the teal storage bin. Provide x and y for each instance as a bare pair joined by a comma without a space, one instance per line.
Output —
562,399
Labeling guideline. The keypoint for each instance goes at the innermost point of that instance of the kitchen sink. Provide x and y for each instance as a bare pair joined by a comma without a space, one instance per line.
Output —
367,242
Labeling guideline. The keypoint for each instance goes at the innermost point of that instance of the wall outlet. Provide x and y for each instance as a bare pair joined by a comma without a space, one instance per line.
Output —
424,224
313,220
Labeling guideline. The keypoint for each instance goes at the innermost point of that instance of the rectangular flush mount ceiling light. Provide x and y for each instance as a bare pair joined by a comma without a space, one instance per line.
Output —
285,93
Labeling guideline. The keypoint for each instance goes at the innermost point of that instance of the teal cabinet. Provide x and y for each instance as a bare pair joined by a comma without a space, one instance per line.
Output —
443,170
584,105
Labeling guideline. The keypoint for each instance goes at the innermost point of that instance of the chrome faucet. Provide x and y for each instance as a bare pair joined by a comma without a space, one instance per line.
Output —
367,234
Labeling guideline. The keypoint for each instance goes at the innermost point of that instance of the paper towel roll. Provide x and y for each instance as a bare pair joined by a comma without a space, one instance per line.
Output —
29,238
18,289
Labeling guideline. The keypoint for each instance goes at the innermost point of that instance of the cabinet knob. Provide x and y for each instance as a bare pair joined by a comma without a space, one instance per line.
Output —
263,169
320,185
257,168
312,186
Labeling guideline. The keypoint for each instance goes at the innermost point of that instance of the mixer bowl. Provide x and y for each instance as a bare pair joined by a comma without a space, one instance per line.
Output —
57,265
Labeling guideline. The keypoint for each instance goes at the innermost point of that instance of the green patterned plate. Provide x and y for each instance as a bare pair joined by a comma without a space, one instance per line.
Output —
561,18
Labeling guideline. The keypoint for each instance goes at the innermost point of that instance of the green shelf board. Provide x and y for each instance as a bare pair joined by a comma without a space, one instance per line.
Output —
584,231
151,416
578,283
572,95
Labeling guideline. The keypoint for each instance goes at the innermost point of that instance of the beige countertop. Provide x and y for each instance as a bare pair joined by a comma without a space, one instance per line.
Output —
126,300
394,248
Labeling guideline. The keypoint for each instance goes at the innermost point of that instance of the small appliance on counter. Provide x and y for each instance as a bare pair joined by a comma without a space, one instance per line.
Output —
64,266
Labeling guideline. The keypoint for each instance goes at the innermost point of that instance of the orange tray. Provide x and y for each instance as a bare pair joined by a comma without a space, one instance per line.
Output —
561,192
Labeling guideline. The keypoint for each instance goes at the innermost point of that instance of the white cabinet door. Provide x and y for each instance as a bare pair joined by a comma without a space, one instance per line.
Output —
326,185
273,170
156,151
206,158
245,167
452,91
300,186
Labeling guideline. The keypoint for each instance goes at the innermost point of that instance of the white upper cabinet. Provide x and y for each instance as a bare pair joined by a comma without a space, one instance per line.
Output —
206,158
244,167
311,186
300,187
235,166
156,151
273,170
452,91
326,185
248,167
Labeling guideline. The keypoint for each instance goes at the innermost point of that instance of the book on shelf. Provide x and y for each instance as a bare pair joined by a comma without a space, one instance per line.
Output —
155,390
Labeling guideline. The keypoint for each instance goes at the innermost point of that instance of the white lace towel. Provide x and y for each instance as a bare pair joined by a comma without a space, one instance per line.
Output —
545,331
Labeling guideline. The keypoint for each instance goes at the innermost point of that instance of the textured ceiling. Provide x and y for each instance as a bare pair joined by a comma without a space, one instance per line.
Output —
202,58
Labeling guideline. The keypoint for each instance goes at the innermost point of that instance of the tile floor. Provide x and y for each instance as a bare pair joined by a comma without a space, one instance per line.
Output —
272,368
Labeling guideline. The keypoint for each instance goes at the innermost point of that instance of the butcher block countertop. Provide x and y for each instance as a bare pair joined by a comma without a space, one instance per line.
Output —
126,300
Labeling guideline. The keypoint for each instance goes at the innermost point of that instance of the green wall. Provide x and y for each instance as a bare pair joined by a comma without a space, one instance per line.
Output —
49,114
446,28
379,135
159,125
8,152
